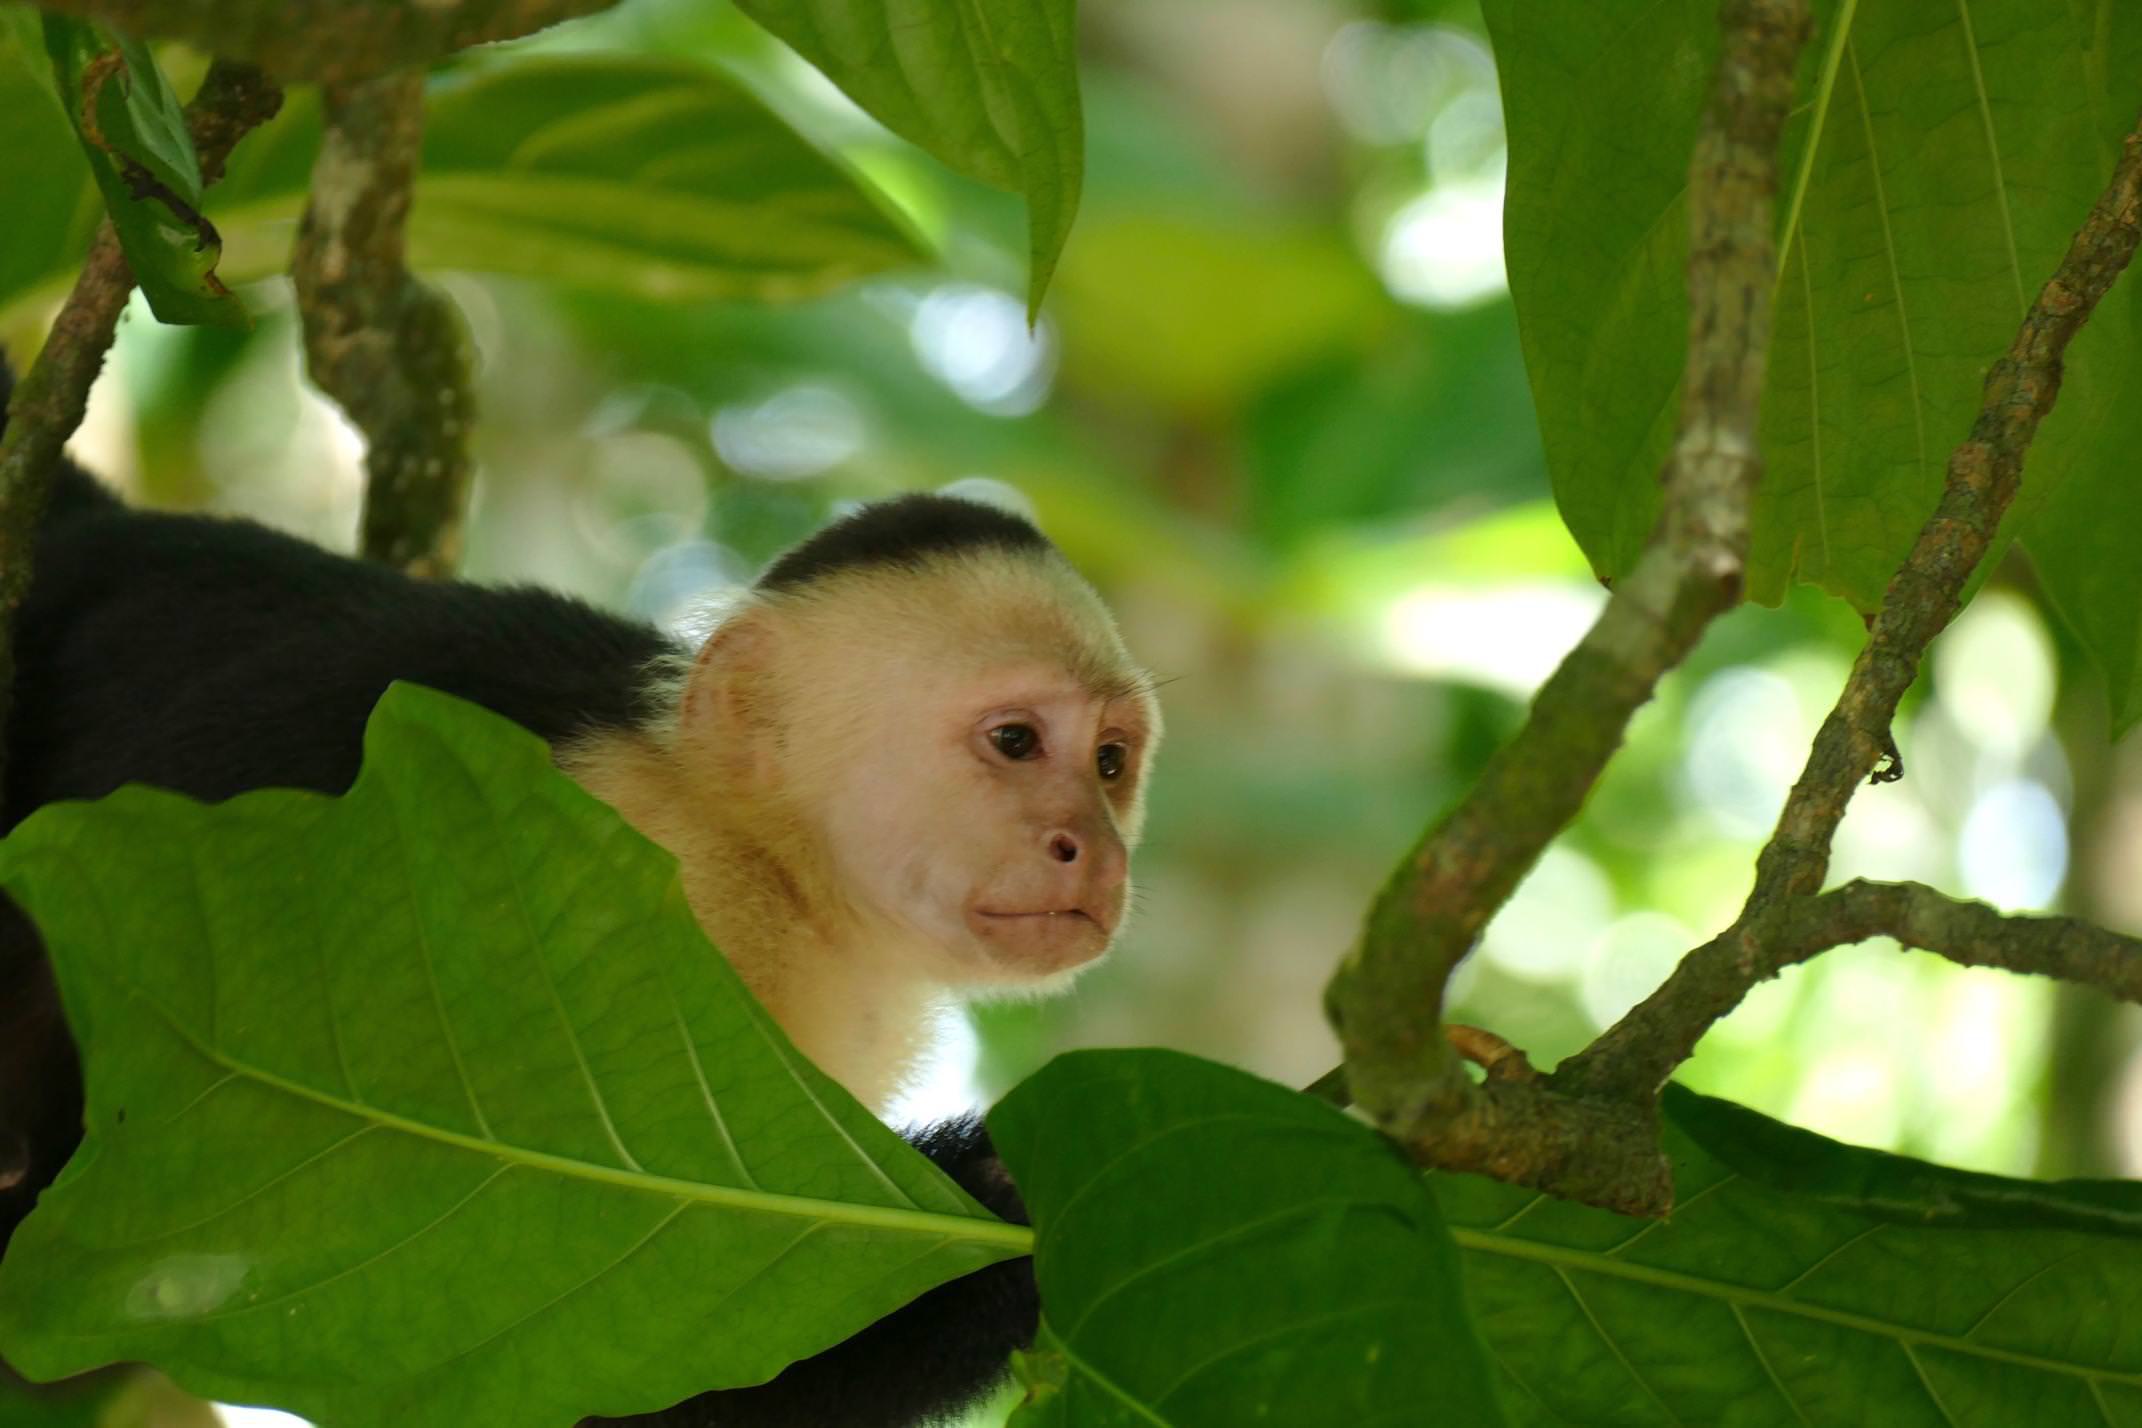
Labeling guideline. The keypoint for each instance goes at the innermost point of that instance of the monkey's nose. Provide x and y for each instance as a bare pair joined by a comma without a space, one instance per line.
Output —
1063,848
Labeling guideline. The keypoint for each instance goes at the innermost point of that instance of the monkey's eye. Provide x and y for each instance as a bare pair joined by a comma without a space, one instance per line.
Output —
1016,741
1111,759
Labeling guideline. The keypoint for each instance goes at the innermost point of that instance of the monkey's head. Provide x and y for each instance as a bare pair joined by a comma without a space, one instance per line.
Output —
938,715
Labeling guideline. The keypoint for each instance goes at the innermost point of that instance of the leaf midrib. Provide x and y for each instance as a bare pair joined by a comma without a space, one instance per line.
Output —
1825,95
1591,1262
1019,1238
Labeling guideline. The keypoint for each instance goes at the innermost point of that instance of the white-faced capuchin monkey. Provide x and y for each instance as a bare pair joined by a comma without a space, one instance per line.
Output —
908,764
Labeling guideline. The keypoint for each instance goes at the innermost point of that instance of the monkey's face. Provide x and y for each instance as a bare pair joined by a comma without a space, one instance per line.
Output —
958,754
992,821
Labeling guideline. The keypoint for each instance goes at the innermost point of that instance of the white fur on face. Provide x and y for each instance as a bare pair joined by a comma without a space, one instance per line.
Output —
982,869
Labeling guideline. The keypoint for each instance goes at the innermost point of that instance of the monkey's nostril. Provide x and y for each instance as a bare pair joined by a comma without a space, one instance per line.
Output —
1064,848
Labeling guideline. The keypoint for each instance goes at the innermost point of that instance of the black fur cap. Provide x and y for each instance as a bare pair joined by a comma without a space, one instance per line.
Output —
905,531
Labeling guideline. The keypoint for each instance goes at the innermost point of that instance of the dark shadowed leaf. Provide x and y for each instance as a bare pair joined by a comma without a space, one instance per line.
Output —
989,88
1803,1282
1217,1250
431,1105
1937,162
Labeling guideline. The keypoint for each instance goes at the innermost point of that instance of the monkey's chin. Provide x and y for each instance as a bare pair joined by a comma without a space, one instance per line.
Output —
1030,946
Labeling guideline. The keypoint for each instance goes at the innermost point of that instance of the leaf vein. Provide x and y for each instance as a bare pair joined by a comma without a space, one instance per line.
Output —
908,1218
1926,1383
2020,1285
1184,1252
568,1292
536,951
1889,250
1993,152
1775,1301
706,1092
1283,1331
1825,94
1613,1346
1740,1317
426,955
1808,1273
249,1196
368,1261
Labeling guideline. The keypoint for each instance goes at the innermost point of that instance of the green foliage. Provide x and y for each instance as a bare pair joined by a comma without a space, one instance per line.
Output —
655,176
1935,167
1215,1249
142,158
1801,1281
649,177
1146,292
431,1104
989,87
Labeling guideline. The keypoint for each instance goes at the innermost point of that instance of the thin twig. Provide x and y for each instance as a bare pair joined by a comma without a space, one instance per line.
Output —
1386,999
1483,1048
1497,1057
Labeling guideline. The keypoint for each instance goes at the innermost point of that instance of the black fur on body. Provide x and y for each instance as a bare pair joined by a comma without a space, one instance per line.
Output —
211,656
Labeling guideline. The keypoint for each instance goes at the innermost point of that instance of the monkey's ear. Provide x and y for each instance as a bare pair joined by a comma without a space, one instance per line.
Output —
726,712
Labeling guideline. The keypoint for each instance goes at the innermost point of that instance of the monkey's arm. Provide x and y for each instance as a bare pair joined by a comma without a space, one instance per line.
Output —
923,1363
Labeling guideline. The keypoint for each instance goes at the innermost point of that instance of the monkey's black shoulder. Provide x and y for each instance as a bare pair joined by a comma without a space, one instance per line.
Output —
212,655
904,531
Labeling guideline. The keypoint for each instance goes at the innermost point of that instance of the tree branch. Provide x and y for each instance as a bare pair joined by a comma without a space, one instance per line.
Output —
49,402
1715,977
1970,934
388,348
1386,999
1632,1060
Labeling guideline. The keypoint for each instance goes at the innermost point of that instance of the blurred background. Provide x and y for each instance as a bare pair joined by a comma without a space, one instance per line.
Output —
1276,408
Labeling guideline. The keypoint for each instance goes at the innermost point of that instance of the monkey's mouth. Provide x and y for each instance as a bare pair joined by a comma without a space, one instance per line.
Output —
1068,914
1041,943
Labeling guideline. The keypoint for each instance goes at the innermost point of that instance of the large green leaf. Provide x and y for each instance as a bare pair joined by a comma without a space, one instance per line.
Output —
1803,1282
431,1105
1939,158
1215,1249
988,86
647,177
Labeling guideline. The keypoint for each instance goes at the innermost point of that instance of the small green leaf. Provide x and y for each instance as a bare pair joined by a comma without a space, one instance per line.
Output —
988,86
1803,1282
134,132
1215,1249
430,1104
